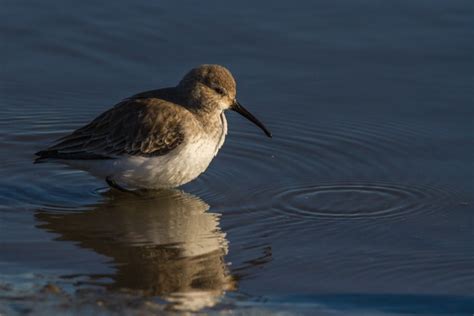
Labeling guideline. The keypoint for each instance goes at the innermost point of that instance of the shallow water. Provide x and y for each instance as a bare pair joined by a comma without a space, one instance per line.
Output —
361,204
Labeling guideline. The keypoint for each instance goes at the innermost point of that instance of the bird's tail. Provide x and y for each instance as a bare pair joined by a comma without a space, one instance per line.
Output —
51,155
45,156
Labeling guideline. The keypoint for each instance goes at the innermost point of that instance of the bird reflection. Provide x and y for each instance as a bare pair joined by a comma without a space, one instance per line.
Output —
164,243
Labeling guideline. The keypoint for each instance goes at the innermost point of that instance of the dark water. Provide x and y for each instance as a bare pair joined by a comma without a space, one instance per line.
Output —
361,204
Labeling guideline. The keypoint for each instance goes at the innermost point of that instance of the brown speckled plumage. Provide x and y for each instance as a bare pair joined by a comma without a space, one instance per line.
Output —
144,127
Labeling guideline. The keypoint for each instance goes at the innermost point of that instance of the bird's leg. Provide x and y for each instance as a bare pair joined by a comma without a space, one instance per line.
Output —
114,185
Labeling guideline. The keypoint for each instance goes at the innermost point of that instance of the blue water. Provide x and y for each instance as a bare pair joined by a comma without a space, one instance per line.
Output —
361,204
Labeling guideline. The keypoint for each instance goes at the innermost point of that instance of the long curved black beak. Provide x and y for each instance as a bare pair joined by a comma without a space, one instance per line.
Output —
237,107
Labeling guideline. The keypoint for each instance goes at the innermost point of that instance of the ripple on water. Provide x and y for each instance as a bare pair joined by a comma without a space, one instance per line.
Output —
278,208
307,175
357,200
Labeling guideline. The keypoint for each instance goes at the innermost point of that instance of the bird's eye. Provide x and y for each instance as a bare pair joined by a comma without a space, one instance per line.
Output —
219,90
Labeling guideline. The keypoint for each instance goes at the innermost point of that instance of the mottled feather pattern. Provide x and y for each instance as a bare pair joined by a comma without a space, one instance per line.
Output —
132,127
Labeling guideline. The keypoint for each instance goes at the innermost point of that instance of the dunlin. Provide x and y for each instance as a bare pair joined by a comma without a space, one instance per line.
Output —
156,139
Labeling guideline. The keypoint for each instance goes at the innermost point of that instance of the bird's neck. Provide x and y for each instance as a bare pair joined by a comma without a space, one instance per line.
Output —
210,120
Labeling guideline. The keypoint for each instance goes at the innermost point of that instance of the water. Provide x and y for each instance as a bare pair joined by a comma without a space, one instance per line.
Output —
361,204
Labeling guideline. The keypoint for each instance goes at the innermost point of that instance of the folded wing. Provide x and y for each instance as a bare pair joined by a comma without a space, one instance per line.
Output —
139,127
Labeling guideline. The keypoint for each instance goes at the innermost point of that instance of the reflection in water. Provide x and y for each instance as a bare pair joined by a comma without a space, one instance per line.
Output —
162,243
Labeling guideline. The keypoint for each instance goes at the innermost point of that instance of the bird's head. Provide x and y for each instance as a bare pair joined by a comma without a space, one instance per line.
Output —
212,88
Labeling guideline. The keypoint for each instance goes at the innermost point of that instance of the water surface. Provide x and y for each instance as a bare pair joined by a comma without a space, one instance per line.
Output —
361,204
